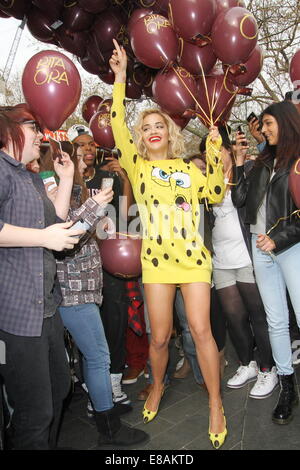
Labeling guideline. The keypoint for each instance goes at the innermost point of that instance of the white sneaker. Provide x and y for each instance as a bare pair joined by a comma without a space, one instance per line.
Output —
118,395
265,384
243,375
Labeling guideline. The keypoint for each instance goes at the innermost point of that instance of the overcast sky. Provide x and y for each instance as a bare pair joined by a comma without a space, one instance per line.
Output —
27,48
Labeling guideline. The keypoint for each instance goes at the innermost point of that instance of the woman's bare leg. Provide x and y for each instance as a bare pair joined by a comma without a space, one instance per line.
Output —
197,306
160,300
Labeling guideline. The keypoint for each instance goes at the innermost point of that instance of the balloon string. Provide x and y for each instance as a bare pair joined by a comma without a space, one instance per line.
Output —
207,94
192,95
223,85
181,45
171,15
232,97
128,235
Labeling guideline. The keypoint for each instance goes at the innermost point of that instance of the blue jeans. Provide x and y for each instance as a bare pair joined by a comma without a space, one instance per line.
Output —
85,325
274,274
187,340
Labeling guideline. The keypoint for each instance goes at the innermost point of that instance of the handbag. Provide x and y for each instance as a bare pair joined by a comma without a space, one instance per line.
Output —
294,183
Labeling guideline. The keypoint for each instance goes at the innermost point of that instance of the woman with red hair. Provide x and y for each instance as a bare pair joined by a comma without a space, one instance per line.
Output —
34,370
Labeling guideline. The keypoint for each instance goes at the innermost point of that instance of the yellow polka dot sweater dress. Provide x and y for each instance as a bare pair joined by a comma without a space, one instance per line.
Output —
167,193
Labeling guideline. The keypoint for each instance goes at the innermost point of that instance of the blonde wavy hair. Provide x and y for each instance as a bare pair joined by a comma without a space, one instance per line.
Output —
176,140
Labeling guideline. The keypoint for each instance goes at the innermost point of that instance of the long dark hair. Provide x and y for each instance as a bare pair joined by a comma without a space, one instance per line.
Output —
288,146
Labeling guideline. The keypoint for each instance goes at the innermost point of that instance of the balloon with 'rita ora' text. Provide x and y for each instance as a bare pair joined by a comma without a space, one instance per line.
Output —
52,87
183,87
153,41
216,97
90,107
100,126
250,69
234,35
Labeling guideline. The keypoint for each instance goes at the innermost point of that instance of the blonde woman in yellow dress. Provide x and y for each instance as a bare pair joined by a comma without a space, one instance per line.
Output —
167,189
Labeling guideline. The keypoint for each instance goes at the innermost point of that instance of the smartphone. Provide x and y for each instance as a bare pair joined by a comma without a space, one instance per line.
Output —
240,131
107,183
56,150
251,116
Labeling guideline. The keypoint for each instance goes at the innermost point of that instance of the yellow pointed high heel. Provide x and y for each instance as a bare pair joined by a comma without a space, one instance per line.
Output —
218,439
149,415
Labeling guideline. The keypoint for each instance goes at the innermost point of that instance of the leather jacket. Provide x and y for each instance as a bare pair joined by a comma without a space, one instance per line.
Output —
249,192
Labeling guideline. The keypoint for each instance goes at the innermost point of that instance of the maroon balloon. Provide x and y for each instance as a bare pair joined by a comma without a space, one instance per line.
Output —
107,76
226,4
197,60
94,6
253,67
51,86
216,98
15,8
295,69
174,90
39,25
234,35
161,6
122,256
192,18
51,8
107,27
90,107
89,64
133,90
294,183
181,121
136,15
105,106
75,43
154,41
100,126
76,19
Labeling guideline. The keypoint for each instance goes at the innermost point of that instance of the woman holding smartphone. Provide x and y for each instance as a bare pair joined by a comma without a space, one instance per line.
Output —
275,227
80,277
166,188
35,372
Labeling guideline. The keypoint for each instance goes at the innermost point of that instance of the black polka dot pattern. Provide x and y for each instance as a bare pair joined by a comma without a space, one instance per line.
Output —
166,256
149,251
159,240
134,158
151,219
142,188
156,202
183,233
189,253
211,170
199,262
155,262
218,189
113,114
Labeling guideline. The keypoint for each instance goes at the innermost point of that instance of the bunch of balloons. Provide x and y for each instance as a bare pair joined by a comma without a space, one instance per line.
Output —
173,47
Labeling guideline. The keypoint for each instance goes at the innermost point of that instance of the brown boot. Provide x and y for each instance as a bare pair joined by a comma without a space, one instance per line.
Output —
184,370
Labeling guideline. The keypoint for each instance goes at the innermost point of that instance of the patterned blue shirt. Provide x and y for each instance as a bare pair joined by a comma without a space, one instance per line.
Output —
21,269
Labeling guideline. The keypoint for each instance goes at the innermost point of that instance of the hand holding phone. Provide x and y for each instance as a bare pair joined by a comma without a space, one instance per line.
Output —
107,183
240,131
252,116
56,150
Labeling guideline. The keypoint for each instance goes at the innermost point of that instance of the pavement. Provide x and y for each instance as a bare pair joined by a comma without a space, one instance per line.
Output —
182,421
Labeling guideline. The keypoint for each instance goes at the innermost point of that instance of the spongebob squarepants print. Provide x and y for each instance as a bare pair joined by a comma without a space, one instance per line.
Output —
178,181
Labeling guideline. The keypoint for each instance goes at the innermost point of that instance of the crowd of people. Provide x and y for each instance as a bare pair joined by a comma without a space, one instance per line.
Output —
236,270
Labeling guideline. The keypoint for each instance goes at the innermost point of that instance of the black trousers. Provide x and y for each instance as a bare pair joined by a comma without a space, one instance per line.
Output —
114,315
37,379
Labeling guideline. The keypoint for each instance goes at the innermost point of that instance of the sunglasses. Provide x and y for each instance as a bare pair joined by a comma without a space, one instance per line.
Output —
35,126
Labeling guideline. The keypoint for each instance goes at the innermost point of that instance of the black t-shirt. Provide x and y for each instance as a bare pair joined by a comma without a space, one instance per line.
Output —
94,185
